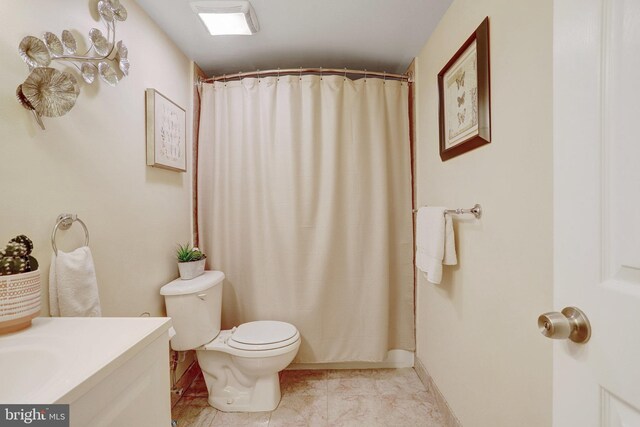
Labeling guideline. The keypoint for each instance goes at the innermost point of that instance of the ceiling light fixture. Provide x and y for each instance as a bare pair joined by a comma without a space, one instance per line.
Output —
227,17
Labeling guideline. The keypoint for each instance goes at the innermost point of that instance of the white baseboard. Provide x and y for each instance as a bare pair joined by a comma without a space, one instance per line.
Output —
395,359
448,417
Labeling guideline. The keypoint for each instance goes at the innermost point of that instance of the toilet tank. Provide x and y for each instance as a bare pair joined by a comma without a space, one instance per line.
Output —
195,307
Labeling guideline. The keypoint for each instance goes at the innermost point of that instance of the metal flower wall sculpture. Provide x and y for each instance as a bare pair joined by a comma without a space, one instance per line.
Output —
48,92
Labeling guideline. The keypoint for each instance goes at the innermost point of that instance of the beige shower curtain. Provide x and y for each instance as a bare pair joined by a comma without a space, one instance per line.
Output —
305,205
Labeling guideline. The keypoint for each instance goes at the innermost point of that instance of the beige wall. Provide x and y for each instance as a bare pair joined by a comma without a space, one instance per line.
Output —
476,333
92,160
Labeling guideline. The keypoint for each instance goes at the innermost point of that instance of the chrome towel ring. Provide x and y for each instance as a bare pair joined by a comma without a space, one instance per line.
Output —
64,222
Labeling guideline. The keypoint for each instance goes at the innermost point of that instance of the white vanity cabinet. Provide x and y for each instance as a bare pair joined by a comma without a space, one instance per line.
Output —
111,371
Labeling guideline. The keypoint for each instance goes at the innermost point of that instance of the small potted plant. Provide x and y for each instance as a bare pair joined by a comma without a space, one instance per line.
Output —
19,285
190,261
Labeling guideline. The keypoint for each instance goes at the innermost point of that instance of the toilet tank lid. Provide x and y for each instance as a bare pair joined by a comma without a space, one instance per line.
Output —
198,284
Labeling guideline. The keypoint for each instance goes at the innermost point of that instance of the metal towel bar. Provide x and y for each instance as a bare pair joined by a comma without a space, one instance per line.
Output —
476,211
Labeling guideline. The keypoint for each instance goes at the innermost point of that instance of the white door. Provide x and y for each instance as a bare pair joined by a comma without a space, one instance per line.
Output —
597,209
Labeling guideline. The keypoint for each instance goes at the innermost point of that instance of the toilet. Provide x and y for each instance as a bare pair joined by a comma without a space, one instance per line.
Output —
240,365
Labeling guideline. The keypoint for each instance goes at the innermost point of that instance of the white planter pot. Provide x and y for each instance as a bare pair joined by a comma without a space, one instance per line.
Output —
190,270
19,300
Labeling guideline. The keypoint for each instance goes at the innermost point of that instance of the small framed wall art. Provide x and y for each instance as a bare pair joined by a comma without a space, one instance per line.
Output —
464,94
166,132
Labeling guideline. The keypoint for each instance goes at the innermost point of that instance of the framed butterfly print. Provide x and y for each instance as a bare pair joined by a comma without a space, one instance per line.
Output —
464,94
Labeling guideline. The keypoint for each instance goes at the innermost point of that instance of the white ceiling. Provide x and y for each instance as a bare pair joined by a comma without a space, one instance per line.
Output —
377,35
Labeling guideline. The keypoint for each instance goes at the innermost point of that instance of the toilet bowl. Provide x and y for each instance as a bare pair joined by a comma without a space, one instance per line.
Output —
243,376
240,365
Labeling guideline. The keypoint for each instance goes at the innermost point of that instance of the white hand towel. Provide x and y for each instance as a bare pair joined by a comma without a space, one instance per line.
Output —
450,256
435,242
54,309
73,288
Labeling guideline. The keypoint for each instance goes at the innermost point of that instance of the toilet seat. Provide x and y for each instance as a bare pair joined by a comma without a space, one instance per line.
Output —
263,335
224,343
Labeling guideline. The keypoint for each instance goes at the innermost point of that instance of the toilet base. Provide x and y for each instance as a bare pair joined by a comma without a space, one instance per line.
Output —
243,380
264,396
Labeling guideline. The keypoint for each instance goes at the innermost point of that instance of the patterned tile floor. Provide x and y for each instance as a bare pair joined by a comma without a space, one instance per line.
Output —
371,397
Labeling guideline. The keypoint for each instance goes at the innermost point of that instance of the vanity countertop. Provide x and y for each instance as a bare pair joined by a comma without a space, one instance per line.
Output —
57,360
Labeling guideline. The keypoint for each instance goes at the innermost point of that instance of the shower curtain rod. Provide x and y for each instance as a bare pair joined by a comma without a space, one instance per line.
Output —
289,71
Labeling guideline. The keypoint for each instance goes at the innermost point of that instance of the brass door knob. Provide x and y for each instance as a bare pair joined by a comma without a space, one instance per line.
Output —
571,323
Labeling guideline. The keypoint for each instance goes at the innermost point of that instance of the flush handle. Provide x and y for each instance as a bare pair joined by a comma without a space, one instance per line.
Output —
202,296
571,323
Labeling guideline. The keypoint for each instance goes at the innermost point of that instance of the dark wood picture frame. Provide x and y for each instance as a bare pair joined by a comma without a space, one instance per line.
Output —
479,126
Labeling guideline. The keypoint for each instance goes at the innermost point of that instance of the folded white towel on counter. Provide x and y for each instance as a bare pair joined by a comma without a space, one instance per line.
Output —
73,288
435,242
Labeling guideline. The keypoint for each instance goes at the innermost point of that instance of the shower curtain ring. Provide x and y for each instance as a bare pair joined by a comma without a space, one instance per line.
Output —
365,75
320,73
278,74
384,77
224,79
300,73
345,74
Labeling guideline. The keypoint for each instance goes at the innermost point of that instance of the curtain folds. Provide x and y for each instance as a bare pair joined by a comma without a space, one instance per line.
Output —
305,204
